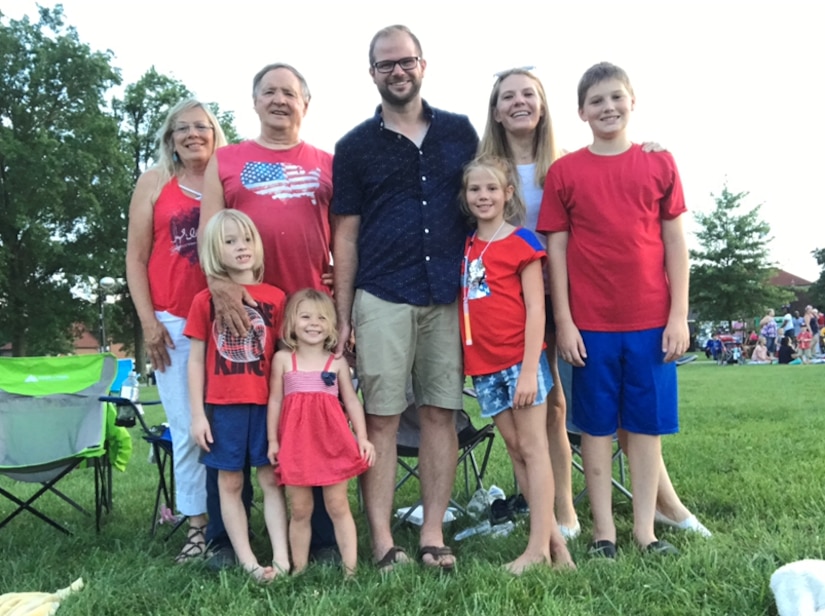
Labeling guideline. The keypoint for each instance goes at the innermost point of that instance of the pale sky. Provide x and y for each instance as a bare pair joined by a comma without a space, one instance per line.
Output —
727,86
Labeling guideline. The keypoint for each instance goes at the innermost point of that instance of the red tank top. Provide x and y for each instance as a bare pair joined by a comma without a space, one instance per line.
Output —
175,274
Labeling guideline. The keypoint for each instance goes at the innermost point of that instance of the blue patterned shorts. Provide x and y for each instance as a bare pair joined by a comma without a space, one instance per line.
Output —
495,391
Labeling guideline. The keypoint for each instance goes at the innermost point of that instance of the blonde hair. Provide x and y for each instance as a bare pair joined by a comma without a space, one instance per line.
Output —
213,239
494,142
505,174
325,306
167,164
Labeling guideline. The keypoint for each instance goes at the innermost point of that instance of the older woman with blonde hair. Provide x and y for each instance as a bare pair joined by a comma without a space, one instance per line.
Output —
519,129
164,275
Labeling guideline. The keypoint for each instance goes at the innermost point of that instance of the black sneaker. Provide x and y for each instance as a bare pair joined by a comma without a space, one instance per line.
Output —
518,504
603,549
661,548
499,512
221,557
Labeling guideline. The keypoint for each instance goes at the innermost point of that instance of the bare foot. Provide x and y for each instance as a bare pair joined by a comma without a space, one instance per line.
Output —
559,553
262,575
280,568
525,561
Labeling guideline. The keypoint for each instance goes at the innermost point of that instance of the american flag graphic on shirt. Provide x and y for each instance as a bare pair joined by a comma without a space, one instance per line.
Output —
281,180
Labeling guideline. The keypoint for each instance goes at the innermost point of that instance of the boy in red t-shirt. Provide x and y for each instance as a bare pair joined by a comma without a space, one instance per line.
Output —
618,267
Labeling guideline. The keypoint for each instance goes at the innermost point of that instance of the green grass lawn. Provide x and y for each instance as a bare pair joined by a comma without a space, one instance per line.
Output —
749,462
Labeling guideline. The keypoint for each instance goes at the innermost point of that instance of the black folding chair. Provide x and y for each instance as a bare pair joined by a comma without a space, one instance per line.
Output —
470,439
160,440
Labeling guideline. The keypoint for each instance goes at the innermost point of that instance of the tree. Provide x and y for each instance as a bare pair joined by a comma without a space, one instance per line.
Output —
817,289
142,111
729,275
61,169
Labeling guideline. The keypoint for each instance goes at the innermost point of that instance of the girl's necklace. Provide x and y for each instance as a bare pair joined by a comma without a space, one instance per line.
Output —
465,283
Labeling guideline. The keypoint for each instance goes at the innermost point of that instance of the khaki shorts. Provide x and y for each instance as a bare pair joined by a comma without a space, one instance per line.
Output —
395,341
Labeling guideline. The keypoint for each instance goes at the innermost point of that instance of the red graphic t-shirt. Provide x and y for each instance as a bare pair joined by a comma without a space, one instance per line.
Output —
238,382
286,193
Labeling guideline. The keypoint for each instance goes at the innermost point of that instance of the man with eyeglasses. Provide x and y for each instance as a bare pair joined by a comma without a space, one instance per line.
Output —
398,241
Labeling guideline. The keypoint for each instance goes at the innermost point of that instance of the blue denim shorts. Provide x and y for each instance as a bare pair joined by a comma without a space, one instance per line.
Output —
495,391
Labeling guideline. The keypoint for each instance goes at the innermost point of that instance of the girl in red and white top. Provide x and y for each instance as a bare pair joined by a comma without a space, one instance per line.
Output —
503,342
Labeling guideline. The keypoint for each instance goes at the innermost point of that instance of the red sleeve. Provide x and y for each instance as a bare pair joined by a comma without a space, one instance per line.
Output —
672,204
553,216
198,324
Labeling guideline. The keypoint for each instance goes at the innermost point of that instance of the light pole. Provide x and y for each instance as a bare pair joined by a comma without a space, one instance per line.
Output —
105,284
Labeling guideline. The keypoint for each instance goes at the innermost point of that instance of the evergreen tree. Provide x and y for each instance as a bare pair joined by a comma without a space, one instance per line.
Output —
730,273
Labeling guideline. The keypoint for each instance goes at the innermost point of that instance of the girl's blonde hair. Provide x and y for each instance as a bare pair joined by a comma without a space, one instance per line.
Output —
214,237
494,142
505,174
325,306
167,164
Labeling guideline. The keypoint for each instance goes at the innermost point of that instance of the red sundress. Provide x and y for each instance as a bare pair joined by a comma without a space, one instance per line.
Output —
317,446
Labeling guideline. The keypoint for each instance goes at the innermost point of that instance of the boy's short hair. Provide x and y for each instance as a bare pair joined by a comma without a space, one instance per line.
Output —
602,72
392,30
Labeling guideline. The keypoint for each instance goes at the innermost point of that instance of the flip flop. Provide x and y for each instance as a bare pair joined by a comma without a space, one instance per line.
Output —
438,553
394,556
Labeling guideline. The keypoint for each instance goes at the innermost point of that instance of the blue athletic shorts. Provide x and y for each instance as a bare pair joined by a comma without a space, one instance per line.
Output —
625,383
495,391
239,432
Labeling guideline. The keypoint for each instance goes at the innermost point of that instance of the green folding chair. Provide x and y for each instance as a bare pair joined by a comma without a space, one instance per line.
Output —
51,422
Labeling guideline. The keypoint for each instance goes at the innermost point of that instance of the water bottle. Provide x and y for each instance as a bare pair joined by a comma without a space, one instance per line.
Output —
480,529
496,492
485,528
131,388
478,505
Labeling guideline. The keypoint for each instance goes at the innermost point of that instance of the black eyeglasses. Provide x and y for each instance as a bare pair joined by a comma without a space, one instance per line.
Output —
388,66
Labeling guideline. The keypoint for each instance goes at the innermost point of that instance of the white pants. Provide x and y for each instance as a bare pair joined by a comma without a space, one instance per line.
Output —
173,386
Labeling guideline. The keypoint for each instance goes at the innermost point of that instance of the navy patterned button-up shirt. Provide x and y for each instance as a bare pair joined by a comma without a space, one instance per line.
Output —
412,230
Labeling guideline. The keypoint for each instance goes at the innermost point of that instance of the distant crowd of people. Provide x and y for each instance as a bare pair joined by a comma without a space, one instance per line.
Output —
791,339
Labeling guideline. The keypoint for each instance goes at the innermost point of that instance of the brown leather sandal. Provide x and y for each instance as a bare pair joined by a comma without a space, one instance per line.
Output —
438,554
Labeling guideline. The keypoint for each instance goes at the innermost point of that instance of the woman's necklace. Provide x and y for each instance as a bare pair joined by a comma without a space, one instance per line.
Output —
476,279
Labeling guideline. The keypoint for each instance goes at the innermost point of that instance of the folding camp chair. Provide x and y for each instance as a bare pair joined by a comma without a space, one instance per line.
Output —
159,438
51,422
470,438
574,436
